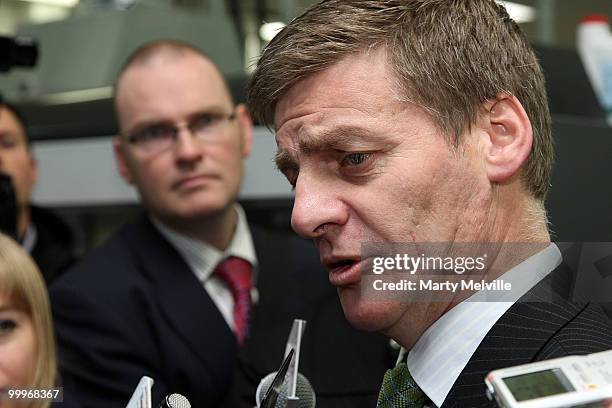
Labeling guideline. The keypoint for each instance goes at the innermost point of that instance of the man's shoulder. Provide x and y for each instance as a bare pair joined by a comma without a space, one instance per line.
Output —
554,329
590,331
528,332
112,264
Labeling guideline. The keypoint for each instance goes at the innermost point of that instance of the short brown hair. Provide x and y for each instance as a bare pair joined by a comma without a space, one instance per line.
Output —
449,56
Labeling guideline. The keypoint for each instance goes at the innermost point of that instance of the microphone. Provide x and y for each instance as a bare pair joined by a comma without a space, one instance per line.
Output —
295,391
303,391
141,398
175,401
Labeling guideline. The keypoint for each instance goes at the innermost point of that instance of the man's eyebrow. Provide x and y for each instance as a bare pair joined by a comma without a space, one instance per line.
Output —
335,138
146,124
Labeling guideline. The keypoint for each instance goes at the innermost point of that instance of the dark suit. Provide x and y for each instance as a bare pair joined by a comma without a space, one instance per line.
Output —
546,323
133,307
53,249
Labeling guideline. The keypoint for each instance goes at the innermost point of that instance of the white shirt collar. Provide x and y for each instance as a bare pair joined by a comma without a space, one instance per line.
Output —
29,238
443,351
201,257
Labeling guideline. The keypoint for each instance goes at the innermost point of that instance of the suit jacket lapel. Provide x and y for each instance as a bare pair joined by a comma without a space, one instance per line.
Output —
270,323
273,277
518,336
185,303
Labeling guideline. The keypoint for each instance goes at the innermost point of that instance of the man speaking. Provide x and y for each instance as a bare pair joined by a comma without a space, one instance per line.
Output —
416,121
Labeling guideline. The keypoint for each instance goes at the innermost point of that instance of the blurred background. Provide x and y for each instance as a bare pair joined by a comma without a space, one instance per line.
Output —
66,99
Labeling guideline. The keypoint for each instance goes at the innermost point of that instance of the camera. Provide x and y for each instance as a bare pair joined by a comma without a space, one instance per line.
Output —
17,52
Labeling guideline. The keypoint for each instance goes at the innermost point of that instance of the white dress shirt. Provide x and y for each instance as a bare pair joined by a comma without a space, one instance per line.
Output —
203,259
443,351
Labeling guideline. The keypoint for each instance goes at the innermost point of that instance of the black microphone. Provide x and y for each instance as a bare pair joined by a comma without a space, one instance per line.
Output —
175,401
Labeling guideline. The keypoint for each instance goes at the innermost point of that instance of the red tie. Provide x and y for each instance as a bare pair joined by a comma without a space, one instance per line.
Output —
236,273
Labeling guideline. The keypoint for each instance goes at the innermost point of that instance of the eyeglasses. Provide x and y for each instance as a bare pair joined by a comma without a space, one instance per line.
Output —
162,136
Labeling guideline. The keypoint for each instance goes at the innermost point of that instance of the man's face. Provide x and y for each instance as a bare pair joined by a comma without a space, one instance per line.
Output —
192,178
369,168
16,160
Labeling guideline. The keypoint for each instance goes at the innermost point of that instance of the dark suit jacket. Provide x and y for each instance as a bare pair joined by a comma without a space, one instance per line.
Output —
134,308
53,250
546,323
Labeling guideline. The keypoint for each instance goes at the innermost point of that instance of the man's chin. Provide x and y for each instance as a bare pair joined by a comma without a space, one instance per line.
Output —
192,213
195,207
368,315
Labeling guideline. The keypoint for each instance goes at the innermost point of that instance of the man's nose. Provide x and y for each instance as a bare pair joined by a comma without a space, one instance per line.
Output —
187,148
317,205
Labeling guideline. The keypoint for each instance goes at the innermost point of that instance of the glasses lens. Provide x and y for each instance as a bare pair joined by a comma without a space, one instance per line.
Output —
205,124
154,138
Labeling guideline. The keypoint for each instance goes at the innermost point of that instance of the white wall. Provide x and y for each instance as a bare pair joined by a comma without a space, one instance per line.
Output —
82,172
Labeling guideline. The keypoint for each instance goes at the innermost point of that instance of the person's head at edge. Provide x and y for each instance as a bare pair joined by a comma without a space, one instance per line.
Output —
191,182
27,345
18,161
406,121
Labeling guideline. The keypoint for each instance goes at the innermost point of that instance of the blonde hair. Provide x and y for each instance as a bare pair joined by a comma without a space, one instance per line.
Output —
22,283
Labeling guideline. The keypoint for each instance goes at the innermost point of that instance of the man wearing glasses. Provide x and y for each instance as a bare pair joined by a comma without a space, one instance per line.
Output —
171,295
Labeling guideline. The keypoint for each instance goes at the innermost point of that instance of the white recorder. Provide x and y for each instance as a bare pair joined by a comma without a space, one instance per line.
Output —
568,382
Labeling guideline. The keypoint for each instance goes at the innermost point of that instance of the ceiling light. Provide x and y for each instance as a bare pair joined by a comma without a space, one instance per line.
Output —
81,95
519,12
268,30
57,3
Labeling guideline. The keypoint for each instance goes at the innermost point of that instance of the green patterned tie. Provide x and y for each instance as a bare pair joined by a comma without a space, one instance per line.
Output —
399,390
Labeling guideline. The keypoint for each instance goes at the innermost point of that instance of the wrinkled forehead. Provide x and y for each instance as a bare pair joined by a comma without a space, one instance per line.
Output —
362,81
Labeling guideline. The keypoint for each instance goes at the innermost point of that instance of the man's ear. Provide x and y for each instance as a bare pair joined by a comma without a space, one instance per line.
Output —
510,137
120,159
34,169
246,129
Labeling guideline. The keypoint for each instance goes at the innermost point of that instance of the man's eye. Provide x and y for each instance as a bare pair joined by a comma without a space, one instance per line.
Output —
355,159
158,132
151,134
204,121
